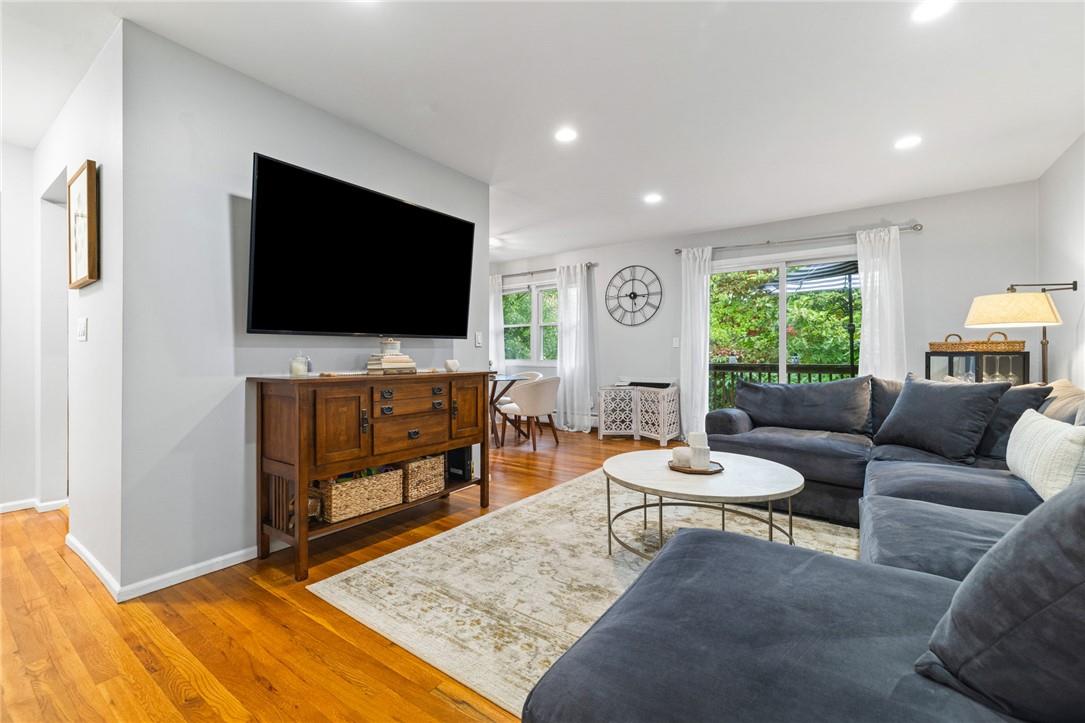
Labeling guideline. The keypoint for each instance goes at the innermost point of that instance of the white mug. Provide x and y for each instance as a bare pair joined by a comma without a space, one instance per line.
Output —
452,365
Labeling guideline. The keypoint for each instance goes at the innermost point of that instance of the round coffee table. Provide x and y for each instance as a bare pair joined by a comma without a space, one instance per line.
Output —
744,480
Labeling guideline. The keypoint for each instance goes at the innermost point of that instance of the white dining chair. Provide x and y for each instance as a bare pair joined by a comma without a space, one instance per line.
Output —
527,377
532,401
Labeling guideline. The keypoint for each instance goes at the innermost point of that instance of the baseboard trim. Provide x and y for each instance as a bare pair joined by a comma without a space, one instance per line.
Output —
32,504
96,567
17,505
50,506
167,579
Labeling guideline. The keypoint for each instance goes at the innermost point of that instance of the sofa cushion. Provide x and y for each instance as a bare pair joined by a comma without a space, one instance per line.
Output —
840,406
722,626
883,395
939,417
1064,402
1013,636
825,456
727,421
928,537
1011,406
1046,453
952,485
900,453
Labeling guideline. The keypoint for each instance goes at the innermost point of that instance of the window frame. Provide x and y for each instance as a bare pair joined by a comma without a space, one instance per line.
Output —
535,325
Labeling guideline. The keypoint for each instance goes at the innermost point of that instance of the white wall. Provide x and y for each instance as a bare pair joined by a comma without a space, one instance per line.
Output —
51,347
90,127
1061,257
973,243
191,127
18,470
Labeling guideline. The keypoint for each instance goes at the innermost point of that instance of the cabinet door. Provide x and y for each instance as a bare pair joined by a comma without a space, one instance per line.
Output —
468,407
342,423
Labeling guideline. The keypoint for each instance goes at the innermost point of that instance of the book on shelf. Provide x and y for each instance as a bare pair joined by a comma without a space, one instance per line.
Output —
390,372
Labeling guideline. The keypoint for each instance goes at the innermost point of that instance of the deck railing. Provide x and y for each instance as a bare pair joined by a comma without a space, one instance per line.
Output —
723,377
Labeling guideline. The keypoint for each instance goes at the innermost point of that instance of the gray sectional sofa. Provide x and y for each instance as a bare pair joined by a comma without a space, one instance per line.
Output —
723,626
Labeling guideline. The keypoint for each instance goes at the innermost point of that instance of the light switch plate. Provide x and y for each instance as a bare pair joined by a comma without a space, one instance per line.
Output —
478,339
675,342
81,329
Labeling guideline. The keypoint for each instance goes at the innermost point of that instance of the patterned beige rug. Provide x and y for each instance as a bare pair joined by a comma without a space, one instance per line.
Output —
494,602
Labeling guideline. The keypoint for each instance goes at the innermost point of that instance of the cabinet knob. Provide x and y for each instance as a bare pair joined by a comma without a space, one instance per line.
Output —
413,434
363,419
455,408
386,410
386,393
438,404
438,390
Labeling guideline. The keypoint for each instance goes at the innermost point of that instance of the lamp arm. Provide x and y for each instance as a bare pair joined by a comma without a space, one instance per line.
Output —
1057,286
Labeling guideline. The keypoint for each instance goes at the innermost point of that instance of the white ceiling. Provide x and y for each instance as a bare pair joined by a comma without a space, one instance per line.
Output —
737,113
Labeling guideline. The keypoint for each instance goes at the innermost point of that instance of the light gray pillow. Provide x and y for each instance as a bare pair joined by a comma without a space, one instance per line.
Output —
940,417
1065,402
1046,453
1013,637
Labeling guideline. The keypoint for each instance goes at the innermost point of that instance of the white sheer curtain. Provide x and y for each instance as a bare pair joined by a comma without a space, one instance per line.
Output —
881,335
693,377
497,324
576,346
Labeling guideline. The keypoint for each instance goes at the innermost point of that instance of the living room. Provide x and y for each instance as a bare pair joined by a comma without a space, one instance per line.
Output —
666,235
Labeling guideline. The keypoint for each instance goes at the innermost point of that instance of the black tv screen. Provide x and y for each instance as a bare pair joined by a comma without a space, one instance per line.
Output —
330,257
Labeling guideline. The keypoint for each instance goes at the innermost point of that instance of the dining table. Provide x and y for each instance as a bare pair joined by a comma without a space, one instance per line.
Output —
502,382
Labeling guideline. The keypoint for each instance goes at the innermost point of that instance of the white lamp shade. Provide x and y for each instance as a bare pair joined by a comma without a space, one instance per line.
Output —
1012,309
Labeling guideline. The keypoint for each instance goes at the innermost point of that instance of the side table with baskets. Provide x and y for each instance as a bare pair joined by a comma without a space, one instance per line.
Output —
980,360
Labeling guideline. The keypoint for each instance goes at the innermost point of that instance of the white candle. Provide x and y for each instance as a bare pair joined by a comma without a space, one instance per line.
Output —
697,439
681,456
700,457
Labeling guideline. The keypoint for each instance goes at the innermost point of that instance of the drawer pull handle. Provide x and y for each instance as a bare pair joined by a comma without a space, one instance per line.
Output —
364,421
438,390
386,393
439,404
455,408
413,434
386,410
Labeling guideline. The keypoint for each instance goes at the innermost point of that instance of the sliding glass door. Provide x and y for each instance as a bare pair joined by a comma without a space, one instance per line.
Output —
796,322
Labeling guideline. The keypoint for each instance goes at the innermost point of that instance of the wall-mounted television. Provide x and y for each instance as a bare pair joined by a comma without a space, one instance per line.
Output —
331,258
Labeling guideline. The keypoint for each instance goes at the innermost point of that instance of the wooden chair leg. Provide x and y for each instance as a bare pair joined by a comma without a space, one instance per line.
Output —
531,429
553,429
504,428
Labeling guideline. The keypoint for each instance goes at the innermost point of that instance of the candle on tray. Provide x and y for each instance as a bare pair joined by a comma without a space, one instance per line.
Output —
680,456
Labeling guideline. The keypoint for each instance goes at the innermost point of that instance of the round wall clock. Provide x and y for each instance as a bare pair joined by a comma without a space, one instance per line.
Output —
634,295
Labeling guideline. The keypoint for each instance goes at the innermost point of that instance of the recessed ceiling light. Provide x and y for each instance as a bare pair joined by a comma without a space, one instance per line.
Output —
495,242
931,10
907,142
652,198
565,134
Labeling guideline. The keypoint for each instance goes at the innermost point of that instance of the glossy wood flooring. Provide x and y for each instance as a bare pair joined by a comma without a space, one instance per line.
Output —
245,643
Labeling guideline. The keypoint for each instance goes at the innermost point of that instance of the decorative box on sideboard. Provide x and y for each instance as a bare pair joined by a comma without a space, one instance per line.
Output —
311,429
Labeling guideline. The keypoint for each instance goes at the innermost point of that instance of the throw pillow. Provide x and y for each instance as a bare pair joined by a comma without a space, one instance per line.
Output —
1012,637
1048,454
1065,401
841,406
883,395
940,417
1011,406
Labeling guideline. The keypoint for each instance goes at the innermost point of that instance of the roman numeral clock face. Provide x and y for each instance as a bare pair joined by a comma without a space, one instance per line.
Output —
634,295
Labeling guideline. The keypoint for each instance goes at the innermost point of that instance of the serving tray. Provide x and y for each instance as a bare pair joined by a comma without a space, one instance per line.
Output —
713,468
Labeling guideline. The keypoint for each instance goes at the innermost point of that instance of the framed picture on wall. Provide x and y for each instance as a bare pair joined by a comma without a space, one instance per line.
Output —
83,226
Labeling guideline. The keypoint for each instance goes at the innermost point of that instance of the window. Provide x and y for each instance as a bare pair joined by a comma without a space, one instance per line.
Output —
531,323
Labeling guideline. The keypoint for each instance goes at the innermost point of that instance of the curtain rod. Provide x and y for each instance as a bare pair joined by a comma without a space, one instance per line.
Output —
849,234
541,271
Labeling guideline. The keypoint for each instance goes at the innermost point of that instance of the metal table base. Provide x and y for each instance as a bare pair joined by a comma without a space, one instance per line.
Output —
612,536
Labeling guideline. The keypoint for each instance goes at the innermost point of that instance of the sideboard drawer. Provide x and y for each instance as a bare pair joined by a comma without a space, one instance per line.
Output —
402,407
403,433
394,391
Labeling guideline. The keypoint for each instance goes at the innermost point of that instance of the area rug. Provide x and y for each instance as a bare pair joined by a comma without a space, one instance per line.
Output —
494,602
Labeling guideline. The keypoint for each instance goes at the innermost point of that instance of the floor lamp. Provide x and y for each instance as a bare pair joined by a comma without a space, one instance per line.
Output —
1015,309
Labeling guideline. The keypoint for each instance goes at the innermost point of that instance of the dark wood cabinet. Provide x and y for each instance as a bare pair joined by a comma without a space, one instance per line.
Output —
314,428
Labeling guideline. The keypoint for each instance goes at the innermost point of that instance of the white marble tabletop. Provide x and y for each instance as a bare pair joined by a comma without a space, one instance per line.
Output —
744,479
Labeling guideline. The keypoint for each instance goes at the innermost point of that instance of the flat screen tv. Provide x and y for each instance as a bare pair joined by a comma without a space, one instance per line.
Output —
332,258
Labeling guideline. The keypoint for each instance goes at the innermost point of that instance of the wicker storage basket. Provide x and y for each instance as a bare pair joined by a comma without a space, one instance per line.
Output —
423,477
343,500
988,345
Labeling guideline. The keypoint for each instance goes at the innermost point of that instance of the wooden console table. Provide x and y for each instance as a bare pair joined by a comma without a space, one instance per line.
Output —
314,428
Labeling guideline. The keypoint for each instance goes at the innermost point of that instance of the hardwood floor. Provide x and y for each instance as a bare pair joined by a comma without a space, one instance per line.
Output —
232,645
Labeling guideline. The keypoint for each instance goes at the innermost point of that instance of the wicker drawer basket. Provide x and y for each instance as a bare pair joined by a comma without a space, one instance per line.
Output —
989,345
343,500
423,477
